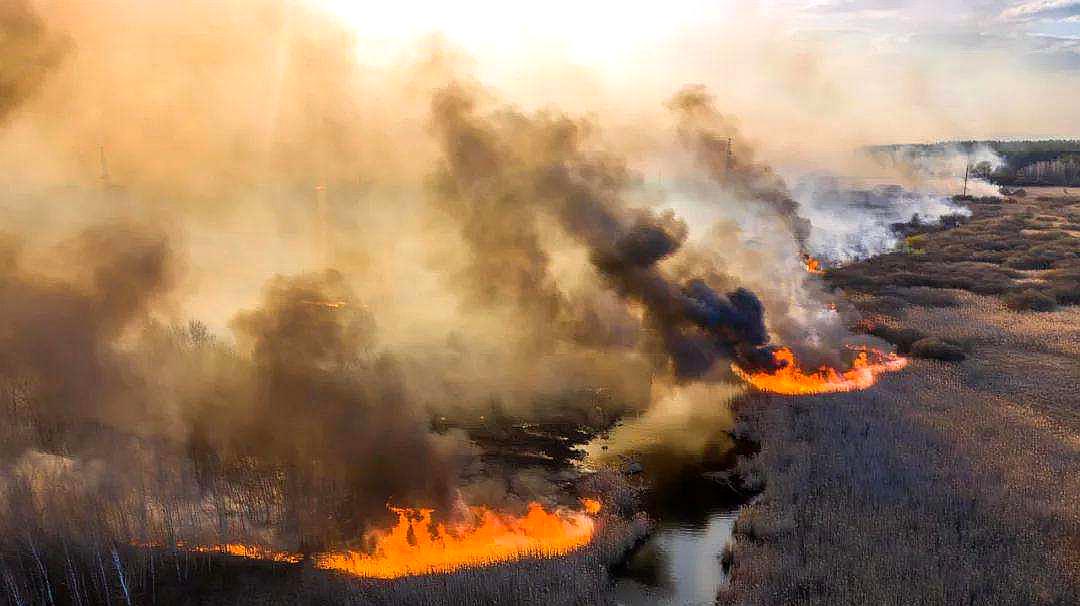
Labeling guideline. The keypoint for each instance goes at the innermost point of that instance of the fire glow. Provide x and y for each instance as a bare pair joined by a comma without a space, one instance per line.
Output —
416,545
252,552
792,379
813,265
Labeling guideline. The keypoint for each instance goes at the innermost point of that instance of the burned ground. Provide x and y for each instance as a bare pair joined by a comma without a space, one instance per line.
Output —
948,483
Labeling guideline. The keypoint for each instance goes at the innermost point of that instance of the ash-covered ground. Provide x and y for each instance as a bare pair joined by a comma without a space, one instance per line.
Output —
953,482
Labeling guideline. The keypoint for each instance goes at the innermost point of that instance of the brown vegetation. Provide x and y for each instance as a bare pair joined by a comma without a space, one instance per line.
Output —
948,483
1004,248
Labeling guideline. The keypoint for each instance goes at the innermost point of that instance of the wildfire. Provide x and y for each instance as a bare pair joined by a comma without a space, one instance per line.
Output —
792,379
415,545
813,265
240,550
326,304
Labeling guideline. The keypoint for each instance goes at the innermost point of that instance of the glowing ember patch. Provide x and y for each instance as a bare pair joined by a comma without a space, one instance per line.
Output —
253,552
794,380
326,304
417,546
813,265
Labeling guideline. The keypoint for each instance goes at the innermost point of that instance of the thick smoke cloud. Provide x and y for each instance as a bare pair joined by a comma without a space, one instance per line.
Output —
309,408
852,223
584,192
322,392
730,160
528,276
29,50
60,332
490,195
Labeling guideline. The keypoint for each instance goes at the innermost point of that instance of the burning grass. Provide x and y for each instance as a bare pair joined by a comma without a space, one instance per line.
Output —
417,545
1004,248
947,484
792,379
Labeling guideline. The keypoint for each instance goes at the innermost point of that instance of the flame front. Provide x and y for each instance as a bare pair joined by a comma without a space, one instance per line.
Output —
415,545
792,379
253,552
813,265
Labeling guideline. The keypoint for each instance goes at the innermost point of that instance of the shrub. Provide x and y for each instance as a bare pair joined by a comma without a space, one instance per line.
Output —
934,348
1029,299
928,297
902,338
1067,293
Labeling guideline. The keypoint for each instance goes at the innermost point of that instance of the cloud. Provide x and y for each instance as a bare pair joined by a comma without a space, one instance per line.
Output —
1037,10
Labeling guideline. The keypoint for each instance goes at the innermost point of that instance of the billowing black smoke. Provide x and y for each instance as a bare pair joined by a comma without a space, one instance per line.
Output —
59,333
551,171
323,393
318,421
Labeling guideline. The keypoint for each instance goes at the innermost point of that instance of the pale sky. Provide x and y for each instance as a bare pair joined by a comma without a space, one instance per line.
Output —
938,68
1047,31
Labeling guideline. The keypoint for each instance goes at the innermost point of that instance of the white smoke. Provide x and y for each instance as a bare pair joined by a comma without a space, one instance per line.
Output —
850,222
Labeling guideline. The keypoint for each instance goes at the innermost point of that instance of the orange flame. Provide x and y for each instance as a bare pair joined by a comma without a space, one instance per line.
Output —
326,304
813,265
416,546
240,550
253,552
794,380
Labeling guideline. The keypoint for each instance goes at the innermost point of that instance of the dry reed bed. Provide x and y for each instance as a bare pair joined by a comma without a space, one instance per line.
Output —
945,484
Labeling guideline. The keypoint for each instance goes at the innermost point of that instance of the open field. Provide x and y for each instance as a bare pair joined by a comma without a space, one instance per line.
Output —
949,483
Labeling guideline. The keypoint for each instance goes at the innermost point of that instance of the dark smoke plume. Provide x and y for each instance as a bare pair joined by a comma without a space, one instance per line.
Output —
316,418
322,393
555,173
729,158
28,52
60,334
485,189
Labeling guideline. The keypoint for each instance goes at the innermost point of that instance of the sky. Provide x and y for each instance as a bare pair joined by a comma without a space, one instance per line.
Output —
1046,30
939,69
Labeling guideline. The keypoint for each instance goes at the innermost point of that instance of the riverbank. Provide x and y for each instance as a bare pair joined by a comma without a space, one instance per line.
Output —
948,483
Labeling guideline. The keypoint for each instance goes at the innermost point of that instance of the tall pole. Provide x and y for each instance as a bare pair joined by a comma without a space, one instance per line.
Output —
104,167
323,243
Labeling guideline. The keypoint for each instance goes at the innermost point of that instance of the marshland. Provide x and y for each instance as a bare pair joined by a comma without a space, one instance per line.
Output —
317,302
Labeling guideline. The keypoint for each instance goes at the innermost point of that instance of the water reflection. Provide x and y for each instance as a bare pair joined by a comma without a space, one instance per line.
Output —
681,453
694,501
679,564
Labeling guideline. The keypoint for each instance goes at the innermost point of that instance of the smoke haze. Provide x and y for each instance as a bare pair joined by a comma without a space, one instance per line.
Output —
236,245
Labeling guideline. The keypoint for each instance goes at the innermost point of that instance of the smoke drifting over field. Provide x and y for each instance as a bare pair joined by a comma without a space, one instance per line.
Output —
541,162
730,161
853,223
60,330
243,254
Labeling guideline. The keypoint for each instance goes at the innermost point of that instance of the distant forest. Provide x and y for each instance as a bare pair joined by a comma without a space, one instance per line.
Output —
1025,163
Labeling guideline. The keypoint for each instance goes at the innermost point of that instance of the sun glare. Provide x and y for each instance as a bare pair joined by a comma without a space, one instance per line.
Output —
494,30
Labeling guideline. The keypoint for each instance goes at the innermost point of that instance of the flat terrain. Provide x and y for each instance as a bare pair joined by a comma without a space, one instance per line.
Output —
948,483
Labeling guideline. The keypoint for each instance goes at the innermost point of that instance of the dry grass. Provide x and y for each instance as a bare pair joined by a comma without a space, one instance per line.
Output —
945,484
45,565
995,252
